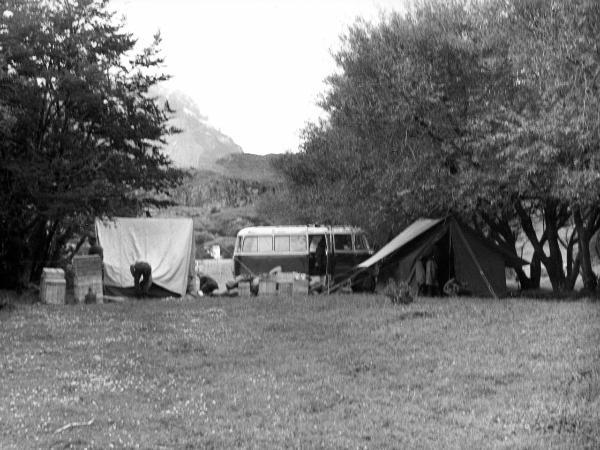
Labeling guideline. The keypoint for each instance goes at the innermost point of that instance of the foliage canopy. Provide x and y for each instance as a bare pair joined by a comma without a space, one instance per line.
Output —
486,110
80,135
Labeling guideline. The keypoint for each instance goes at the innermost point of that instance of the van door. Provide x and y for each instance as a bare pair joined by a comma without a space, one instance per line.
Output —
344,254
317,254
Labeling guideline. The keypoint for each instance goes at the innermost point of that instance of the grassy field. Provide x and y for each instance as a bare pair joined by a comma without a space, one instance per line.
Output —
308,372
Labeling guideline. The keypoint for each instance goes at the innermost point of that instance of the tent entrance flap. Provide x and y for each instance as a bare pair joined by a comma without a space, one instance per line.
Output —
458,233
408,256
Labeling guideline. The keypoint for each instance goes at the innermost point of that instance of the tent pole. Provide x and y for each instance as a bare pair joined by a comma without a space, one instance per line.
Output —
481,272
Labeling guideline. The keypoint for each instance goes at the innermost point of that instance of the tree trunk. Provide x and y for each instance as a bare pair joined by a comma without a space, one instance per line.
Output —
535,271
554,262
41,242
583,230
502,234
524,281
572,277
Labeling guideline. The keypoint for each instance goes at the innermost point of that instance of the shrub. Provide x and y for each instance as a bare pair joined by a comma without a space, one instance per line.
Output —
399,292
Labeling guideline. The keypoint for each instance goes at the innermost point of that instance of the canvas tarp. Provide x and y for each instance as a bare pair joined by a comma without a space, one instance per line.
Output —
462,253
167,244
414,230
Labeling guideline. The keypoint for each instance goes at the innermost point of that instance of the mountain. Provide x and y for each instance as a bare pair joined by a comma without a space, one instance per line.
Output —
231,182
199,144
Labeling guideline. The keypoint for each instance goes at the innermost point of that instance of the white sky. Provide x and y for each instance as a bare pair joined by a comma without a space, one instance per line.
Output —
255,67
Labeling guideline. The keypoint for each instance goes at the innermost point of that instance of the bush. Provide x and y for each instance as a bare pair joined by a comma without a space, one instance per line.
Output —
399,292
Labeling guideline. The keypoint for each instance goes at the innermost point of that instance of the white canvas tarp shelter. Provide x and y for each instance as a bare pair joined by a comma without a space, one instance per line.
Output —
167,244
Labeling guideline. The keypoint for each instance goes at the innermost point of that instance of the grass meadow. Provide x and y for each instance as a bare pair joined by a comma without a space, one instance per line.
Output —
340,371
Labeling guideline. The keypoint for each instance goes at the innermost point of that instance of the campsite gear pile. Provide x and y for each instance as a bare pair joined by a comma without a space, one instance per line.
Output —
399,292
274,282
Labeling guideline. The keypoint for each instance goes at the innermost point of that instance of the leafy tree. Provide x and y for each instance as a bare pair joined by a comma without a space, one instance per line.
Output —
488,110
81,136
548,146
402,112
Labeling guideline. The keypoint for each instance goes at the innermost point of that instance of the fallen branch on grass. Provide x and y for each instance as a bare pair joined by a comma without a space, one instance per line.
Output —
73,425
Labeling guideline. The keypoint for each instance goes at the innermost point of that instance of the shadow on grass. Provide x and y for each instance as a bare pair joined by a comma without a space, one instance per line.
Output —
551,296
415,315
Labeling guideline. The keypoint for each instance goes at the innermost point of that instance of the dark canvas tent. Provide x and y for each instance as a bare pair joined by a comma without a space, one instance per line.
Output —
167,244
462,254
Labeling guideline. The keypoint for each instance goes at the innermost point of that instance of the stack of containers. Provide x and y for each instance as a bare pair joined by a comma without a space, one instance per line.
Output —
88,278
267,285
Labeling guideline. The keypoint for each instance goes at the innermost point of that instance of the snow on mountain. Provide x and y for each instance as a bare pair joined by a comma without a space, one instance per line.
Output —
199,143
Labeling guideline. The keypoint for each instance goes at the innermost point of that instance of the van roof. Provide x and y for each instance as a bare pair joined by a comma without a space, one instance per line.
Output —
297,229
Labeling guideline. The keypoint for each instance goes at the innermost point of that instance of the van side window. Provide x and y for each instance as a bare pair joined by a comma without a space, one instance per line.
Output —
297,243
265,244
360,242
250,244
343,242
282,243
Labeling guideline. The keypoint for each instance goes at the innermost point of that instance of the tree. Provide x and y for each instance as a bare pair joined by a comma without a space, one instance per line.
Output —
549,147
402,112
81,136
474,108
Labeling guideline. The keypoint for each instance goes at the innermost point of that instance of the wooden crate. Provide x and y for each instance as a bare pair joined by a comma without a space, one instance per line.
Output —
285,288
284,277
300,287
53,286
84,285
244,288
87,265
267,287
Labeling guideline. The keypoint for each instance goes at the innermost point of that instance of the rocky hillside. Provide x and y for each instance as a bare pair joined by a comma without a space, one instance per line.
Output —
232,182
199,143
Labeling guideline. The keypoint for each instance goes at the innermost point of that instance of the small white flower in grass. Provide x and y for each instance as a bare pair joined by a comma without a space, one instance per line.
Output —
7,14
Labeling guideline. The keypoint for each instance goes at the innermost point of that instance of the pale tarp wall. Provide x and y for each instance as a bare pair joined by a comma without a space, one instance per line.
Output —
167,244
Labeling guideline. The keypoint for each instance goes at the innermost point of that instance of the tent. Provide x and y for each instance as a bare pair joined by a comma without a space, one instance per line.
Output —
463,254
167,244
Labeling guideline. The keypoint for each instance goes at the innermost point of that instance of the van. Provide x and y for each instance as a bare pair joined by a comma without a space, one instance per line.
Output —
314,250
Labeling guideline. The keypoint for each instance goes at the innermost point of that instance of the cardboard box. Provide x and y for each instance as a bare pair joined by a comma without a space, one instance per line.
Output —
244,288
86,287
267,287
300,287
285,288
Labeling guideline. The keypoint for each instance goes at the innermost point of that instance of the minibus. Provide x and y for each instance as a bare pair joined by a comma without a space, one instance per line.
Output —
295,248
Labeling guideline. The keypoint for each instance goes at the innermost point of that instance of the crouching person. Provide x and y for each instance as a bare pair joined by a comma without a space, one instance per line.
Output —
142,277
208,286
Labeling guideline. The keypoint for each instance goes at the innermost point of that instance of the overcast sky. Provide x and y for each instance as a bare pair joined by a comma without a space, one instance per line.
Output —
254,67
